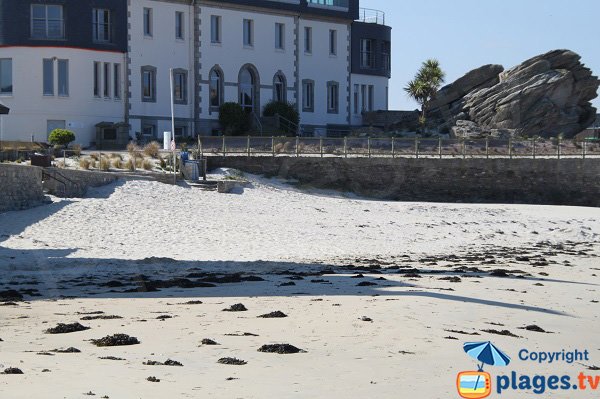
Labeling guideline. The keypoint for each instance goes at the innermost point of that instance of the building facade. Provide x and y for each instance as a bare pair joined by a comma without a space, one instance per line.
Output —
77,65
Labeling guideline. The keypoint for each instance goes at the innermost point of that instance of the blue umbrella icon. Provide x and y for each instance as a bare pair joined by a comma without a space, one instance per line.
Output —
486,353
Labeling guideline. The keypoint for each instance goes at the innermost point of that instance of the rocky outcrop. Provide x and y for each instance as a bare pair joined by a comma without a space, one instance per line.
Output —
546,96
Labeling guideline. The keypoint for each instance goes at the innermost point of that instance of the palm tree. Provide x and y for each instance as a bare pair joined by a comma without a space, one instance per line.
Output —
424,87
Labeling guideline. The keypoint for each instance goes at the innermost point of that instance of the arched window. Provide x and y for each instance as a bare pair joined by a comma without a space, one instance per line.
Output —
279,88
249,96
216,88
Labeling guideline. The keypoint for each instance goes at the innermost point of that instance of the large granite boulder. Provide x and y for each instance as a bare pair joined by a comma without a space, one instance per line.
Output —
546,96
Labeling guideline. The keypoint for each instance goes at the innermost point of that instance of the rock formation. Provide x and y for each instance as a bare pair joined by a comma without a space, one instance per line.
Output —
548,95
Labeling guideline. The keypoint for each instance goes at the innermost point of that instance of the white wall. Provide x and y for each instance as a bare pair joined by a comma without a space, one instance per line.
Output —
30,109
231,55
321,67
380,99
162,51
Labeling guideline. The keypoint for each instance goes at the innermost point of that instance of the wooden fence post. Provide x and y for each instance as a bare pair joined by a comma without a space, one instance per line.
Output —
248,145
510,147
558,148
224,147
487,148
345,147
464,148
393,147
440,146
369,146
297,146
533,147
273,145
321,146
416,147
584,149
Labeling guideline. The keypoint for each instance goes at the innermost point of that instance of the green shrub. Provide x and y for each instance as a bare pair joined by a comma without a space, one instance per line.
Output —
234,120
61,137
286,110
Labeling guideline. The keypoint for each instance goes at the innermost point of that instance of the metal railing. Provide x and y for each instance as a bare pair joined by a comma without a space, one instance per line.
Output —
371,16
397,147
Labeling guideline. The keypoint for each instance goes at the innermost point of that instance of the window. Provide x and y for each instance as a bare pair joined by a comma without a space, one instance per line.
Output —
366,53
332,42
279,88
179,25
363,95
248,89
180,86
216,88
148,84
148,22
180,131
386,56
47,21
63,78
149,129
371,97
279,36
117,81
106,80
248,33
308,95
356,106
308,40
6,85
110,133
215,29
97,78
48,77
102,25
333,97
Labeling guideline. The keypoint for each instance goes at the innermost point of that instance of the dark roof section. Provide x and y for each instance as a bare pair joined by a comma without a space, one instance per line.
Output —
347,9
15,24
4,109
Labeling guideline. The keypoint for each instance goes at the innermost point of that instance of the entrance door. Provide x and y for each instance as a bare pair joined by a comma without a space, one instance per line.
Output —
247,90
54,124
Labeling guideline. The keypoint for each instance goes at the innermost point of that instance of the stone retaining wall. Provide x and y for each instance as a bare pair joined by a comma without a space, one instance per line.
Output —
74,183
20,187
531,181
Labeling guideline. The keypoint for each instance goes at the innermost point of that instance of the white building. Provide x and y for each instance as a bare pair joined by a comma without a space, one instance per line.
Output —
59,68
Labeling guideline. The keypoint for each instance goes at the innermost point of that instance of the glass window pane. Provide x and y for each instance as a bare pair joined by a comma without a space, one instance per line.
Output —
48,77
54,12
63,77
38,11
6,76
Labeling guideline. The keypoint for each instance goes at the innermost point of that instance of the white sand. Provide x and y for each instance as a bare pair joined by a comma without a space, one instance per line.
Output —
271,227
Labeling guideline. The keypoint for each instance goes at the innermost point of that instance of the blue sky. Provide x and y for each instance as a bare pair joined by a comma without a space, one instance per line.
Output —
465,34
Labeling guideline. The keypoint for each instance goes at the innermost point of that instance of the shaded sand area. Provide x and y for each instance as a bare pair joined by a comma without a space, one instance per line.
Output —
374,299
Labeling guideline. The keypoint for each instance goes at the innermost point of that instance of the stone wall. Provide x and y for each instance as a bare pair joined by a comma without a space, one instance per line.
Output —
74,183
20,187
531,181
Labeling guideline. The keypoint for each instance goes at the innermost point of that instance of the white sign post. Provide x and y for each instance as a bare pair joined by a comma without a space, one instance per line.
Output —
173,145
167,141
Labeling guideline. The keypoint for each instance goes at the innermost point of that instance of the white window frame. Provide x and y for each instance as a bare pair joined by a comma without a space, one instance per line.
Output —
215,29
248,27
99,25
179,25
47,22
308,44
148,19
279,36
333,42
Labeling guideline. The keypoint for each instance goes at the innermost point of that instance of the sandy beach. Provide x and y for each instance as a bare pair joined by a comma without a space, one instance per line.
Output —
378,296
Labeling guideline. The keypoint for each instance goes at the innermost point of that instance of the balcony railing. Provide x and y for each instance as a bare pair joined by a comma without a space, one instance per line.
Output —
337,4
371,16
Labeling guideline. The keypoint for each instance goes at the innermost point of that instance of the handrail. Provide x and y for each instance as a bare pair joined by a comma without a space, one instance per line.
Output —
260,125
372,16
288,122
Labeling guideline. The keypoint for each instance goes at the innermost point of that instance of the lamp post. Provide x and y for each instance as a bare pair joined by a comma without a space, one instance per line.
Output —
3,111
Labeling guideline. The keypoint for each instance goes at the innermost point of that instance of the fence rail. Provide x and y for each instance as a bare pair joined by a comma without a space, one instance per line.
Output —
397,147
